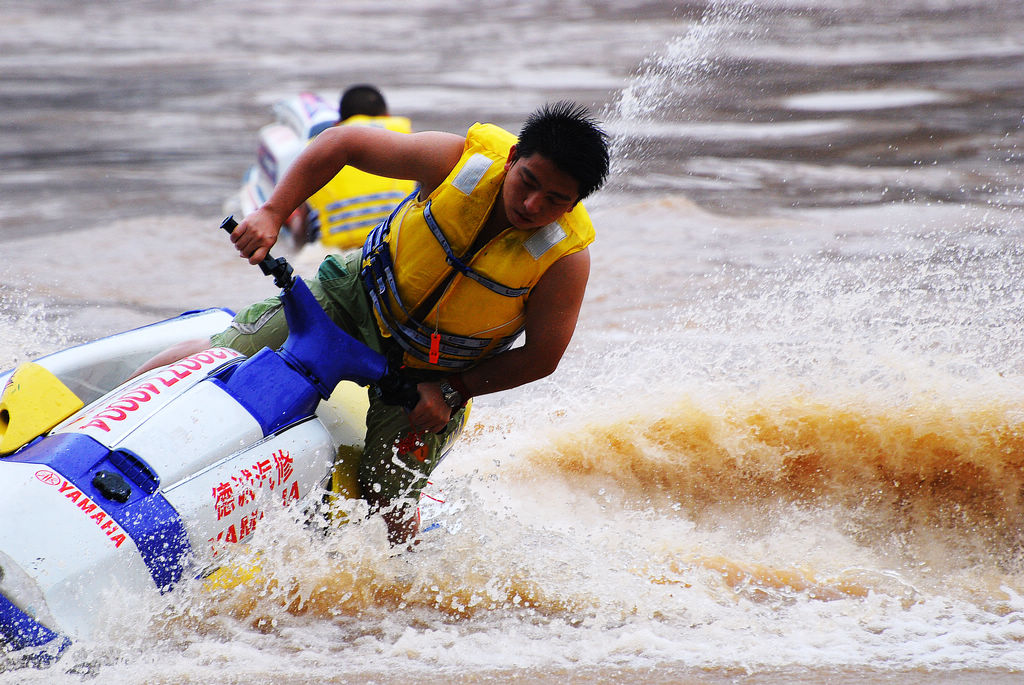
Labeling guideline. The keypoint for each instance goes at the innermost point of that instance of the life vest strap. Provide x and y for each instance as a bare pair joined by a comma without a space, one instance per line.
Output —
465,269
414,336
459,351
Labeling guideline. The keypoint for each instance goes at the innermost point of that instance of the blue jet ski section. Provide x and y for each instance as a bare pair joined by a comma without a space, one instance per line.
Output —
124,489
283,386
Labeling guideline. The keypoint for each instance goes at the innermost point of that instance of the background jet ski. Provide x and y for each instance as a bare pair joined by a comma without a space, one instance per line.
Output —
132,487
298,119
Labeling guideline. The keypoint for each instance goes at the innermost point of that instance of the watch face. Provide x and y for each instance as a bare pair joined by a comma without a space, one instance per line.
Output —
450,395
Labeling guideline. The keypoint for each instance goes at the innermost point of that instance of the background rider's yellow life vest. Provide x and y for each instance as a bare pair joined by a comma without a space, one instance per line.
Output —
479,300
353,202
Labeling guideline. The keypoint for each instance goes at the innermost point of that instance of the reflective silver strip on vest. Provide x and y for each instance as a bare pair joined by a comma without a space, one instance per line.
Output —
371,216
544,239
350,225
472,171
369,197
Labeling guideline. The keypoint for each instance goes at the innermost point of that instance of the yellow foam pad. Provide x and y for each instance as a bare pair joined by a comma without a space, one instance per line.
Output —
232,575
33,402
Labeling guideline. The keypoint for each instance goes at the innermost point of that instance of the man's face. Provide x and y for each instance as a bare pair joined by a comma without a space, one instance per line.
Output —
536,192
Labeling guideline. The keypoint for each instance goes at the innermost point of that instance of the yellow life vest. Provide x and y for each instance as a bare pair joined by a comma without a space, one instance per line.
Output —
353,202
419,256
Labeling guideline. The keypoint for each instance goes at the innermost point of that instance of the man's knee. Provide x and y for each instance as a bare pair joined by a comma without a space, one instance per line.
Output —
257,326
172,354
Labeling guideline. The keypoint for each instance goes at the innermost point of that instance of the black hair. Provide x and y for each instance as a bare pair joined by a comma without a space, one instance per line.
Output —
569,136
361,99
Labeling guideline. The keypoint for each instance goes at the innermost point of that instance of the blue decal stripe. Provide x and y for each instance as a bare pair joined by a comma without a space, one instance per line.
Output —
148,519
158,532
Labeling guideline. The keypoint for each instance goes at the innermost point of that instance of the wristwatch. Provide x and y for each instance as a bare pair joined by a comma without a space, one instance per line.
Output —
451,396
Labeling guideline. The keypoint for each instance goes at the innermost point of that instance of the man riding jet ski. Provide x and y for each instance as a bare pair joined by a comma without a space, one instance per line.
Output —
493,244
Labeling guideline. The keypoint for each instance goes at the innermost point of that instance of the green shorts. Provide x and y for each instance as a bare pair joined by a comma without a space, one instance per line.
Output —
396,461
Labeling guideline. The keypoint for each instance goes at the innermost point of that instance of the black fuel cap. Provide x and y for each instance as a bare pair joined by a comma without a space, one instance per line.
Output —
112,485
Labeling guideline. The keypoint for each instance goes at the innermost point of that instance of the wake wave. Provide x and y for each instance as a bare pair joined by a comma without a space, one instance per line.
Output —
928,465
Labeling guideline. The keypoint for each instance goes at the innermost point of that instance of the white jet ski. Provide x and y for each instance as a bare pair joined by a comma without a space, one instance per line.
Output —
297,120
142,484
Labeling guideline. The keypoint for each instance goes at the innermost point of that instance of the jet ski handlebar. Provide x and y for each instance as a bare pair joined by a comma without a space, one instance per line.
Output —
279,268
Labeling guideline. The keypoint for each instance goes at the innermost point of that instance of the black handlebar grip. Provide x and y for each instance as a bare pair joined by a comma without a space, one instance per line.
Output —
279,268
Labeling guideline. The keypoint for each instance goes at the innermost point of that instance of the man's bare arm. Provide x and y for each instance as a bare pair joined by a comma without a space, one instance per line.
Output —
551,317
422,157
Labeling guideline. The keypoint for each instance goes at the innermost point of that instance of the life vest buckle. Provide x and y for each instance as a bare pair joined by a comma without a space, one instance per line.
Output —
454,261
